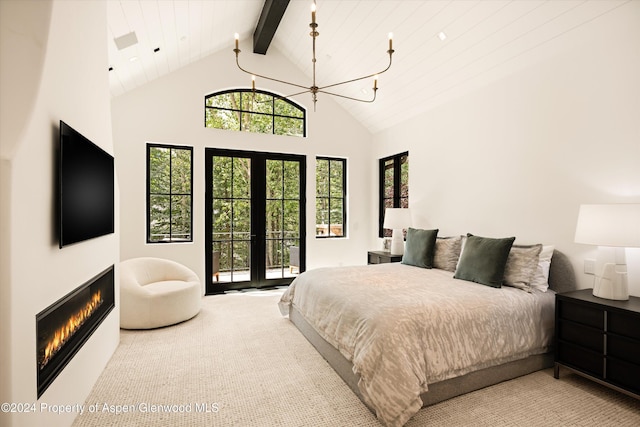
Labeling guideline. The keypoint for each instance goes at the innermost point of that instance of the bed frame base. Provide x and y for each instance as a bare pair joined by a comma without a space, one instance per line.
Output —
439,391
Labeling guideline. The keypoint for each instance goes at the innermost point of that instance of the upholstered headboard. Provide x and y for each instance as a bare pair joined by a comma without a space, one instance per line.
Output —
562,277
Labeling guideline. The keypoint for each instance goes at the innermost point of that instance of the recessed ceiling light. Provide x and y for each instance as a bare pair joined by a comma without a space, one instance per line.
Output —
156,50
442,35
110,68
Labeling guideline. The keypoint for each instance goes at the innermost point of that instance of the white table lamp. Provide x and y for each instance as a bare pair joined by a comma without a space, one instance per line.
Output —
396,219
613,228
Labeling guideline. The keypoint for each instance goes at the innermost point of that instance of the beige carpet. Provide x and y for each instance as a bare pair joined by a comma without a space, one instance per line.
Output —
239,363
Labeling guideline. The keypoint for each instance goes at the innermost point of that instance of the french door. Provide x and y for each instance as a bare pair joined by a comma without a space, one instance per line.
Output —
255,219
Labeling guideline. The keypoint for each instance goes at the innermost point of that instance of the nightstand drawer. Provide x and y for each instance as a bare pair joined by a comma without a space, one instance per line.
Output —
599,339
577,357
622,348
623,324
376,259
622,374
581,313
581,335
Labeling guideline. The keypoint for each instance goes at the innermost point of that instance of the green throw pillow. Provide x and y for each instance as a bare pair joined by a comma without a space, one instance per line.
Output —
483,260
420,247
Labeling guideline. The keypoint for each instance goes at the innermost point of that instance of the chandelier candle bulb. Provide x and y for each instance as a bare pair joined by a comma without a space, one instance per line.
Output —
253,83
313,13
237,37
390,41
375,83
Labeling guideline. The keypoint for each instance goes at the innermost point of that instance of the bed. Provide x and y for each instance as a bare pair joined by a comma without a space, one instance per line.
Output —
403,336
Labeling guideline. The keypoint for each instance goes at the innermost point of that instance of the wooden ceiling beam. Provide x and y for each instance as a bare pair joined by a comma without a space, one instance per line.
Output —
270,18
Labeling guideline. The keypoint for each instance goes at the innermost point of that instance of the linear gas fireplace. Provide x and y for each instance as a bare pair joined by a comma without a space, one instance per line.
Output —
64,326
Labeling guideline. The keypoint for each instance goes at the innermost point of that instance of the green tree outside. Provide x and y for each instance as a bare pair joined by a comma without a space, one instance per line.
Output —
258,112
232,211
170,175
169,193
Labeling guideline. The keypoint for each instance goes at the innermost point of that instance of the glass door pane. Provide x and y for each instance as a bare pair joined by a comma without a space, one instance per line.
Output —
254,219
282,231
231,219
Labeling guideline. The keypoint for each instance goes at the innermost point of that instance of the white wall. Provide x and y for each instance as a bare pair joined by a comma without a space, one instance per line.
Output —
53,66
170,110
518,157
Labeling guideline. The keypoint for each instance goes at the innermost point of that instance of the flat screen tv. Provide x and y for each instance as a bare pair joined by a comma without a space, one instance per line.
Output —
86,188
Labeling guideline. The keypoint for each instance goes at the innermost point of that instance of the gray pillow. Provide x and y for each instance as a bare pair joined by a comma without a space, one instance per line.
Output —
420,247
483,260
447,253
521,266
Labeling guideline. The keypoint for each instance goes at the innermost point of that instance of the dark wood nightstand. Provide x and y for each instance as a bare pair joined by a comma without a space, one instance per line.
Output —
599,339
381,257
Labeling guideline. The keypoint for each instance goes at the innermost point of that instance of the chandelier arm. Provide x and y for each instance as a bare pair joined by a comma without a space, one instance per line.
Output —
293,94
314,88
269,78
349,97
358,78
276,96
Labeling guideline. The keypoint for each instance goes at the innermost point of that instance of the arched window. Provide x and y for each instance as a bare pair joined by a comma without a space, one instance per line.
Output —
254,111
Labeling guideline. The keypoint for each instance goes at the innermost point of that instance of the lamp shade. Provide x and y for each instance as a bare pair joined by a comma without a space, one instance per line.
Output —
397,218
609,225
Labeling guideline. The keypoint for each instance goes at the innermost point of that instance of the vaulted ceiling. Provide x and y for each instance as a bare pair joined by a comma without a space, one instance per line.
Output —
443,49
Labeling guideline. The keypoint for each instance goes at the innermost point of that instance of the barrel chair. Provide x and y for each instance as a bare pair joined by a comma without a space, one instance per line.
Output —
156,292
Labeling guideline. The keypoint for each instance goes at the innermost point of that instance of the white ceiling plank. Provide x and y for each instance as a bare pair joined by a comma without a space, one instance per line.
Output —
208,21
195,30
181,19
138,73
486,40
169,34
117,21
155,39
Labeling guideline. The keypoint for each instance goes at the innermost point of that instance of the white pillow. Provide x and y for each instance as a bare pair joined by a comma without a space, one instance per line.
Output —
540,279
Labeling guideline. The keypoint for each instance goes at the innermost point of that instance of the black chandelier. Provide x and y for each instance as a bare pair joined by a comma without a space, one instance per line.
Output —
314,89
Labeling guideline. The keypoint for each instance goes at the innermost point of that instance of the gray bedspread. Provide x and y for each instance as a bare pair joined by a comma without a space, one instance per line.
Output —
405,327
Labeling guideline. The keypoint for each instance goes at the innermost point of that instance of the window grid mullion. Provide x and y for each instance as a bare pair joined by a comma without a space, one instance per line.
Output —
328,197
171,194
242,111
396,197
237,110
273,118
282,202
172,150
231,236
343,197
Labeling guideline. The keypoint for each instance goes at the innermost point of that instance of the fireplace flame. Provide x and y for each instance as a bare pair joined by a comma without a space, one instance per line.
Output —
66,331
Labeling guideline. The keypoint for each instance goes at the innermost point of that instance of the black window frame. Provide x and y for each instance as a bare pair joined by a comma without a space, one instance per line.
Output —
273,115
329,197
171,239
397,197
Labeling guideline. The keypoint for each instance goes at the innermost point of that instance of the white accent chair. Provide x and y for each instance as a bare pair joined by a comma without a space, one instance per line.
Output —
156,292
